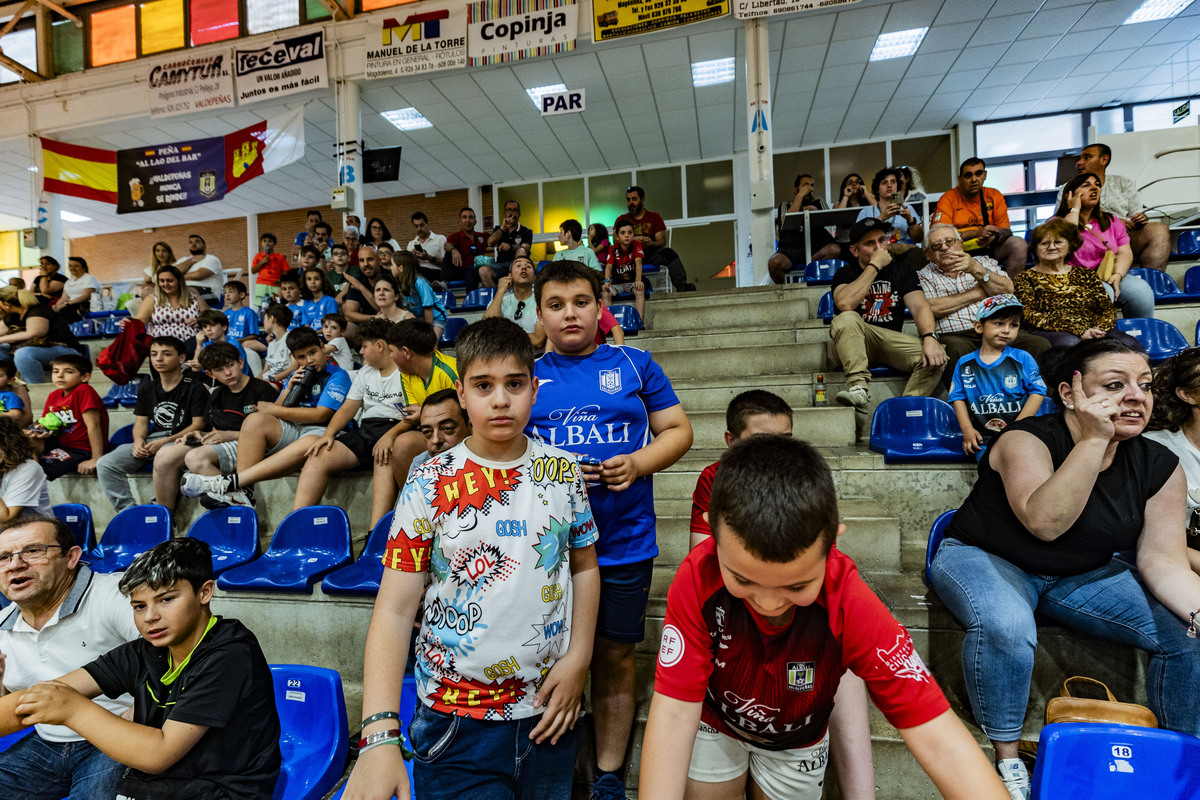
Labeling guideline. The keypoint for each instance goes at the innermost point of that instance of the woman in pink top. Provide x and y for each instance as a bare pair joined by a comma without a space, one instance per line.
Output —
1102,233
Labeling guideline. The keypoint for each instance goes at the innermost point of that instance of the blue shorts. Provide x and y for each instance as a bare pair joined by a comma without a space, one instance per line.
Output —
624,592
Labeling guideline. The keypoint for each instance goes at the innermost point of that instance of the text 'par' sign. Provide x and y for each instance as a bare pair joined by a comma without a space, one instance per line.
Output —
570,102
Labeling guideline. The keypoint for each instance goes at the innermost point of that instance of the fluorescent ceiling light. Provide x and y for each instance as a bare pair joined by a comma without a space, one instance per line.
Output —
407,119
898,44
538,92
69,216
710,73
1152,10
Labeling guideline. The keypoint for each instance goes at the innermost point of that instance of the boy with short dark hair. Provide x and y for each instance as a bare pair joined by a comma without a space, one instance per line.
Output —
278,361
243,321
616,405
11,404
997,384
214,327
268,267
570,236
623,272
339,268
170,405
333,328
767,609
235,396
74,417
289,294
496,535
204,721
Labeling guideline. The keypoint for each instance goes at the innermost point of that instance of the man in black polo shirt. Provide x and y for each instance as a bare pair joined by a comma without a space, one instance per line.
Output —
507,238
870,297
359,305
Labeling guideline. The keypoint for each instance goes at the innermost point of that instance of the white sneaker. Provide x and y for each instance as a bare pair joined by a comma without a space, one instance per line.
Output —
193,485
855,396
1015,776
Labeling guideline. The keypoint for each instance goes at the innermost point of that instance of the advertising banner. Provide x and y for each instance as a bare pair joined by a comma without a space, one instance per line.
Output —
283,67
170,175
426,42
504,30
617,18
190,83
750,9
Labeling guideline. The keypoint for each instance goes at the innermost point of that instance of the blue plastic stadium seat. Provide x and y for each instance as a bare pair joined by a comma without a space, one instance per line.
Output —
1189,243
542,265
79,519
1164,287
936,533
131,533
454,326
449,301
821,272
12,738
109,326
477,299
124,435
313,737
914,429
129,393
408,706
308,544
628,318
825,309
231,534
113,398
1191,281
84,329
1079,760
1160,338
363,576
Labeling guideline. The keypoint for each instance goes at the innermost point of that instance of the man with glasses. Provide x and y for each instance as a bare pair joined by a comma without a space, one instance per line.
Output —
955,284
514,300
62,616
981,217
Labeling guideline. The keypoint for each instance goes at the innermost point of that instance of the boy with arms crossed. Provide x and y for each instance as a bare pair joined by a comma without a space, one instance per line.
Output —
496,536
616,405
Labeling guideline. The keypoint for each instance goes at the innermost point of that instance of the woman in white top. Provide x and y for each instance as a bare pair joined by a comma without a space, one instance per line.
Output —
1175,424
890,207
23,487
80,292
387,297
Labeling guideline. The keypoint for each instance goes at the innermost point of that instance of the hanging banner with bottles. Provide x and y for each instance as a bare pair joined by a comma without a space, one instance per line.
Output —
614,19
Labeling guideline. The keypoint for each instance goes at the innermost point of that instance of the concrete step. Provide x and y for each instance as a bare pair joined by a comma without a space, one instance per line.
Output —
734,310
746,362
830,426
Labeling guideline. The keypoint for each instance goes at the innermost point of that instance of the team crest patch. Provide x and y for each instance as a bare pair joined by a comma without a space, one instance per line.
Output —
1010,381
903,660
208,184
670,651
610,381
800,675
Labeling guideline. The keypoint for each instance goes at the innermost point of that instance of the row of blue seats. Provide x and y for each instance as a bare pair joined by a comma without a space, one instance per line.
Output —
309,545
314,738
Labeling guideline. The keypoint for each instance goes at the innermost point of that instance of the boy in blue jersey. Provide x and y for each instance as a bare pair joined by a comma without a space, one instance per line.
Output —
243,321
997,384
613,404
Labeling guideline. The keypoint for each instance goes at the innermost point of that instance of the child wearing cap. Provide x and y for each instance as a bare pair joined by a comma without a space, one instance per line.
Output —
997,384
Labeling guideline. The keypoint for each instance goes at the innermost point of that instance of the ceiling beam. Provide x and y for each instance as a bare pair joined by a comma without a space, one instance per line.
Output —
22,70
12,23
59,9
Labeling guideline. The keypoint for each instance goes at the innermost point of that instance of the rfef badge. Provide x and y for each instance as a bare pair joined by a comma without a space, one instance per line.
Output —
800,675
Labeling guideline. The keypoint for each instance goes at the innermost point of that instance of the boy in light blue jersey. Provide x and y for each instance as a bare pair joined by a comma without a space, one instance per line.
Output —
243,320
614,405
996,385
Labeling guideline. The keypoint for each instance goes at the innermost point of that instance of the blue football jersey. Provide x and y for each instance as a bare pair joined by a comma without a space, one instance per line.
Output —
996,392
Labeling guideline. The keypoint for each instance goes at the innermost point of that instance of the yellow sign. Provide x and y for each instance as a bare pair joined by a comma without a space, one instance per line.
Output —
617,18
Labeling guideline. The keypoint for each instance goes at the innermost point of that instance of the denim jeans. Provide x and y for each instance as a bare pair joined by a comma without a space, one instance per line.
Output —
32,362
34,769
459,757
1137,298
995,600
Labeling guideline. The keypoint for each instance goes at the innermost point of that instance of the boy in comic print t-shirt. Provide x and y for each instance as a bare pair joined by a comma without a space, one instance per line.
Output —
496,537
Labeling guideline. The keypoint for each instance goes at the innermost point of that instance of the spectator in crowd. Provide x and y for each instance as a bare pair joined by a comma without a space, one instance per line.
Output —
277,320
107,301
243,321
322,234
386,257
333,328
443,423
506,239
214,328
1149,241
649,432
14,398
910,184
598,241
358,301
996,385
204,713
428,247
202,270
73,428
514,300
791,252
1056,497
174,310
651,232
18,283
870,297
37,335
62,616
424,370
623,272
854,192
956,284
289,295
415,293
318,297
891,208
386,296
463,247
273,441
170,405
312,218
981,217
236,396
350,238
268,267
570,236
339,268
79,292
310,257
377,233
1104,246
49,283
23,487
161,255
1065,303
1175,424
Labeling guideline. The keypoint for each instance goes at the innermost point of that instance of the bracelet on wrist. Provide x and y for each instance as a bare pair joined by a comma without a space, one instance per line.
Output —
381,715
380,743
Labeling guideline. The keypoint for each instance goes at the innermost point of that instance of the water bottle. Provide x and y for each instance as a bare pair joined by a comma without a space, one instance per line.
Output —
300,388
820,393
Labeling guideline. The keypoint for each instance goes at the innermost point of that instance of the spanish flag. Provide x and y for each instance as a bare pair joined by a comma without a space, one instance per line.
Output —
79,171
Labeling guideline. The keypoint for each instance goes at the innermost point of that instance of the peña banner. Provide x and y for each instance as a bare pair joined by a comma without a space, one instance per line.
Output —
170,175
